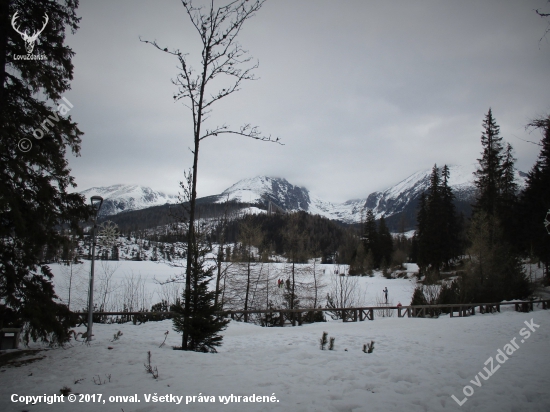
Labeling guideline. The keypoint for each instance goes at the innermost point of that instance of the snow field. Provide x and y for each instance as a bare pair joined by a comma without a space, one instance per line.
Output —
417,364
146,276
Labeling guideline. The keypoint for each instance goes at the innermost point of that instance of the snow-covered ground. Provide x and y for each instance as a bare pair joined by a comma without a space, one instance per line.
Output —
417,365
145,278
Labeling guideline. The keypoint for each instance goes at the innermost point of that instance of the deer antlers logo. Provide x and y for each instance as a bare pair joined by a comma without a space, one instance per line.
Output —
29,40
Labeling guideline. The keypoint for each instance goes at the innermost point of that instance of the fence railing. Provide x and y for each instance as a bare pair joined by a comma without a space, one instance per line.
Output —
300,315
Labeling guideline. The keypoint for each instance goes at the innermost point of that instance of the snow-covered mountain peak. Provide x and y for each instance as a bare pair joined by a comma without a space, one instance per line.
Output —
261,189
120,197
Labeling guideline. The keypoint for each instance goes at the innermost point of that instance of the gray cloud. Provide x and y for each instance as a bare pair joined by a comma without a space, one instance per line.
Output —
363,93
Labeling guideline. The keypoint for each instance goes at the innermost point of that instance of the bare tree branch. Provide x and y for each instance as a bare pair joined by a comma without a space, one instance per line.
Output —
544,15
223,56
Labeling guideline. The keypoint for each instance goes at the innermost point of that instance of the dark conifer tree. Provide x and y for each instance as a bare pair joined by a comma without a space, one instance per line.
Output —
508,202
413,254
385,243
438,228
204,321
494,268
535,201
370,238
451,227
489,175
35,179
429,226
434,230
198,314
421,248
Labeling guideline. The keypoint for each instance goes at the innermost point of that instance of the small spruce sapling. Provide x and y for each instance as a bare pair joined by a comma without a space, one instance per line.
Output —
368,347
117,336
323,341
331,343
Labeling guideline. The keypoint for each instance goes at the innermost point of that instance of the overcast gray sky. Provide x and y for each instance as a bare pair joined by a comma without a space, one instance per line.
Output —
363,93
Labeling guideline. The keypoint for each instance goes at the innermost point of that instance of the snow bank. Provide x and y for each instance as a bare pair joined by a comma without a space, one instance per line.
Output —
417,364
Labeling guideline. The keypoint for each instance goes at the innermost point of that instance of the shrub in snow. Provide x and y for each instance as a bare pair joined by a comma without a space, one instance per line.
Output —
315,316
323,341
418,297
149,369
98,381
449,293
117,336
331,343
368,347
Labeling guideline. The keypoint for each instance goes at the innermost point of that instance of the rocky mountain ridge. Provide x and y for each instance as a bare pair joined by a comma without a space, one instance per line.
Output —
400,199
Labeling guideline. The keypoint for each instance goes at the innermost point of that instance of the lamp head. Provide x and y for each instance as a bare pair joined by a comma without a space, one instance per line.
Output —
96,201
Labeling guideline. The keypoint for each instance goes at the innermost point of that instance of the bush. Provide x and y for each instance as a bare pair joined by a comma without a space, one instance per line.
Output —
449,294
418,297
323,341
368,347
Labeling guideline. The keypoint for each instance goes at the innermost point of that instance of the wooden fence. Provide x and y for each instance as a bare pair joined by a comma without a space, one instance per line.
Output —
278,317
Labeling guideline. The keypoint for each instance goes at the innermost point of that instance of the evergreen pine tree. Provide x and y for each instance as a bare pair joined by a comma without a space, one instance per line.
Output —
429,226
451,227
438,227
434,229
370,238
204,321
35,183
420,244
198,315
489,175
508,203
494,271
359,263
535,201
385,243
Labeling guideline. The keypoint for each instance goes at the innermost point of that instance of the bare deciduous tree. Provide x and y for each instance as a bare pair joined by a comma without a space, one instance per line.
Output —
105,284
344,292
73,283
222,56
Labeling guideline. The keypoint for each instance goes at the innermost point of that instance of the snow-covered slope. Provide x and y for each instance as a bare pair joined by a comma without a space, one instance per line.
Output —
119,198
388,202
262,189
398,197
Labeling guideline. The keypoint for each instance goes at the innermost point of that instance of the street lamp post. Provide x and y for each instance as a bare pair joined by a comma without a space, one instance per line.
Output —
97,201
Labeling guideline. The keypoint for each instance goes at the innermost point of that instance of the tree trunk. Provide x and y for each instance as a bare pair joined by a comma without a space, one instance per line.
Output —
247,289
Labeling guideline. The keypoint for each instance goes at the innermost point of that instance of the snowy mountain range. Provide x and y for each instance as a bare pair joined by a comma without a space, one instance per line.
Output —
400,199
120,198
